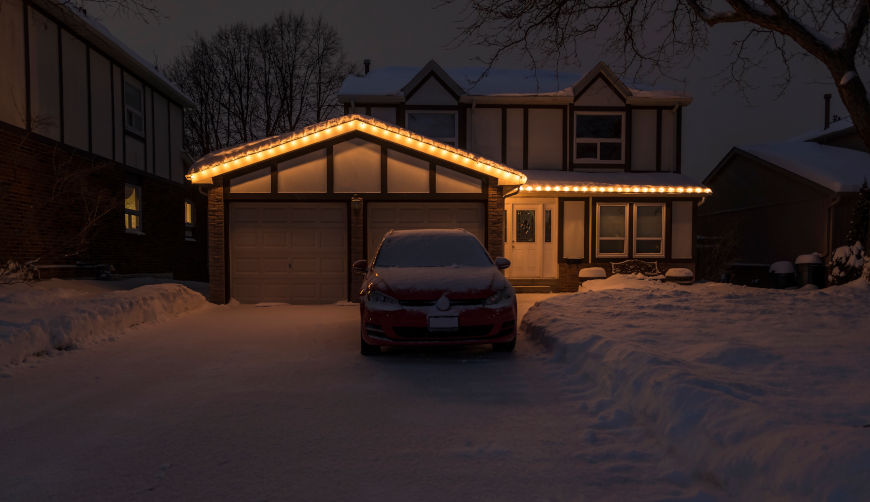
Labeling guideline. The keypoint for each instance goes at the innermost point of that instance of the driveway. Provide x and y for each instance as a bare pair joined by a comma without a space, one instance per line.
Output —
275,403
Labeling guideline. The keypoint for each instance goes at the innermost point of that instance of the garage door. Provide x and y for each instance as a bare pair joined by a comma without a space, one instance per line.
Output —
383,216
288,252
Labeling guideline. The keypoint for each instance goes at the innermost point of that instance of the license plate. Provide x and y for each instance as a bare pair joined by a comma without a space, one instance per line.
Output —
444,323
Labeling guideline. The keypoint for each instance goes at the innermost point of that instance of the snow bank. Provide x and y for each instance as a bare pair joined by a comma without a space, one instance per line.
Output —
59,315
762,392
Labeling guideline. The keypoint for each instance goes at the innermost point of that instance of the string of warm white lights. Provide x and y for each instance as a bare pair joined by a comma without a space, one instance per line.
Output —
332,128
651,189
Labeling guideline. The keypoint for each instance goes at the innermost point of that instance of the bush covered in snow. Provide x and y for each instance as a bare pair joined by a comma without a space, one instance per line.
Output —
13,272
847,264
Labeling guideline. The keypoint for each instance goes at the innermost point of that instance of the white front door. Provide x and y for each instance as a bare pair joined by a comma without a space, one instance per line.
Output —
525,241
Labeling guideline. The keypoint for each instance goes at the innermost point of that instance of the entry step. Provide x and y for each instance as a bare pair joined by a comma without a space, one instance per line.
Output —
533,289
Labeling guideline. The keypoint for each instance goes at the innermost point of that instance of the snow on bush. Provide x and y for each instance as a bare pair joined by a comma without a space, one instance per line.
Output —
847,264
41,319
763,392
13,272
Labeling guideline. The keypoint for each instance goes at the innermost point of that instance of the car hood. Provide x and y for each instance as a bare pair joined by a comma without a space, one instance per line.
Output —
430,283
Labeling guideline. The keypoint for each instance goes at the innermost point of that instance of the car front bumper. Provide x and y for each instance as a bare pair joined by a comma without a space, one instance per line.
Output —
409,326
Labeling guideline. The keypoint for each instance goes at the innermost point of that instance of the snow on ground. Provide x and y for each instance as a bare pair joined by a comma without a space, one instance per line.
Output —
762,392
44,316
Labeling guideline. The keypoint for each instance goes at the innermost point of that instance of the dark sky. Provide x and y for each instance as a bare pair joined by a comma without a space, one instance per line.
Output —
409,33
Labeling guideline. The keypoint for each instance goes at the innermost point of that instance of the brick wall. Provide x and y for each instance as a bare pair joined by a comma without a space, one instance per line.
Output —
217,291
495,220
48,190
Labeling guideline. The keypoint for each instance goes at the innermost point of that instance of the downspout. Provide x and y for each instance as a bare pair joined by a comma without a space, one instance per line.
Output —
512,192
469,127
829,245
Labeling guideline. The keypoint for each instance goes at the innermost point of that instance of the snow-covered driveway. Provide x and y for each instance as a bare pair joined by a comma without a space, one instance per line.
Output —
275,403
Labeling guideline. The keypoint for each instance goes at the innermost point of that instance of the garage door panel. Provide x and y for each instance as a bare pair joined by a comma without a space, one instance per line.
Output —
266,238
383,216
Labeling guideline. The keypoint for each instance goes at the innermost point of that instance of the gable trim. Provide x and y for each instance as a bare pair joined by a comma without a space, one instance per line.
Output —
224,161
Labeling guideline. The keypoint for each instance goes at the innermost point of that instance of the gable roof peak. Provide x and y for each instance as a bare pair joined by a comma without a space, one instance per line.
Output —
601,69
433,67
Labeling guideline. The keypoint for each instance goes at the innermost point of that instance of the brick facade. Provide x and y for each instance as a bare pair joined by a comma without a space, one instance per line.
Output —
217,271
495,220
48,190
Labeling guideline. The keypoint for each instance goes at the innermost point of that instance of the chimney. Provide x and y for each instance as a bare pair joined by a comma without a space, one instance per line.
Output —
827,111
367,65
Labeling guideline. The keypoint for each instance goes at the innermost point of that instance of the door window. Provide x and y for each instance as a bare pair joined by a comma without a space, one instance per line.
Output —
525,226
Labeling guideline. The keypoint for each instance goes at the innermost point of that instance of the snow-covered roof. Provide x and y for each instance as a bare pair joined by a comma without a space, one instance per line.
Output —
91,29
479,81
612,182
229,159
835,168
840,126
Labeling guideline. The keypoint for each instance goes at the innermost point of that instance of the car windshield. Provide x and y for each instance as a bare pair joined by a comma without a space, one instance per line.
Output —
424,249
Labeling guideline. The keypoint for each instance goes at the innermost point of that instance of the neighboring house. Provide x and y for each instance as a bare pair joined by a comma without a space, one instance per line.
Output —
776,201
557,173
92,171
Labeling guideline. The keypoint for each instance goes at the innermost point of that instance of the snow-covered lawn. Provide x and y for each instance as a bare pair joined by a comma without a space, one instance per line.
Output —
45,316
764,393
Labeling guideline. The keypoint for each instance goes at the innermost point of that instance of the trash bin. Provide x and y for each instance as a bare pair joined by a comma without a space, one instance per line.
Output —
811,270
782,275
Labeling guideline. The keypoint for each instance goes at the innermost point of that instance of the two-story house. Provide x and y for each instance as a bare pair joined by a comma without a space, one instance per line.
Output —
557,172
92,166
602,158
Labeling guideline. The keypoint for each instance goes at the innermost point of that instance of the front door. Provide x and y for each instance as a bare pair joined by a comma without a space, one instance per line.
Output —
526,231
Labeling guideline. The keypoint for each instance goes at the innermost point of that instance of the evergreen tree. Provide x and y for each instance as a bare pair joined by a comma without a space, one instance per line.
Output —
860,218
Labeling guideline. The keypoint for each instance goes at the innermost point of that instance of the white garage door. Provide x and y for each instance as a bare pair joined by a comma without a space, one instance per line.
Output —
288,252
383,216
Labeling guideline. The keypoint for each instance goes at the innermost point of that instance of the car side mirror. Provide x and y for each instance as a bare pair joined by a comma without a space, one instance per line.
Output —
361,266
502,263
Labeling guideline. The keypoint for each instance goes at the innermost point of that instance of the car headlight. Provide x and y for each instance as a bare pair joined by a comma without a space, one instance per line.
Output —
502,296
376,298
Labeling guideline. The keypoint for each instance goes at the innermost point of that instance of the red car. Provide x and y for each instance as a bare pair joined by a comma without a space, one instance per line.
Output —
435,287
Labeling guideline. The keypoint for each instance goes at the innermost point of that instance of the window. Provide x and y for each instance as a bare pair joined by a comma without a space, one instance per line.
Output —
525,227
440,126
134,118
548,237
189,220
598,137
133,208
612,227
649,230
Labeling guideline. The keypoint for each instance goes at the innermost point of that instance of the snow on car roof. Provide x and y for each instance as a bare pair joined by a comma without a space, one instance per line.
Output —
838,169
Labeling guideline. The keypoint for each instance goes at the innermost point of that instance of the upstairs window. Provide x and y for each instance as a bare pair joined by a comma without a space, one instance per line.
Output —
599,137
440,126
134,118
133,208
189,220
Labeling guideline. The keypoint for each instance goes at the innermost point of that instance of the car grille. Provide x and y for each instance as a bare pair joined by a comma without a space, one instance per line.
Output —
429,303
420,333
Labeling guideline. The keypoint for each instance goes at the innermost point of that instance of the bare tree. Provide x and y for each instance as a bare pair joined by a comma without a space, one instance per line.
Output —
252,82
655,34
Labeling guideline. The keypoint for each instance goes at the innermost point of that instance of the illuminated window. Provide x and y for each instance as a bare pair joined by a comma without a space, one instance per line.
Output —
440,126
649,230
599,137
612,230
134,117
189,219
133,208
